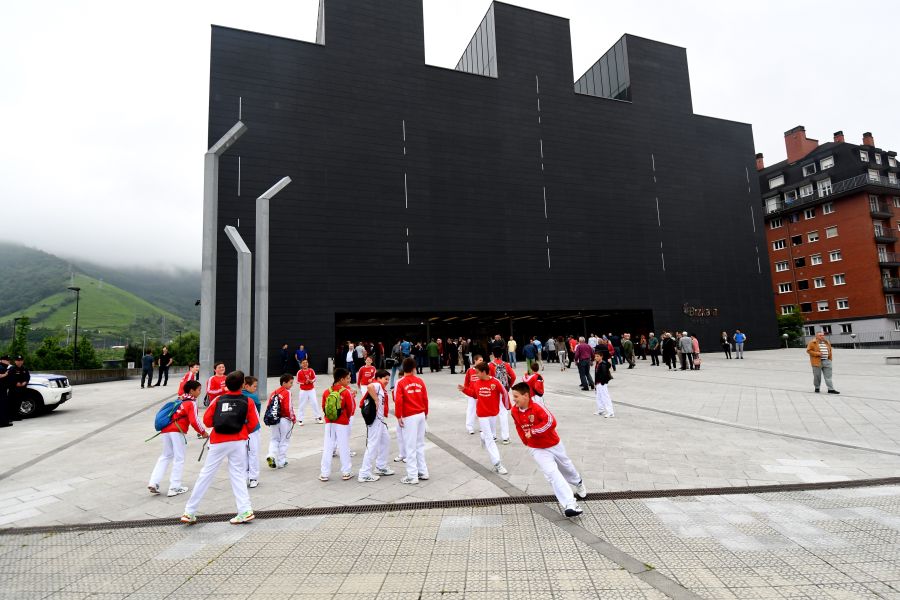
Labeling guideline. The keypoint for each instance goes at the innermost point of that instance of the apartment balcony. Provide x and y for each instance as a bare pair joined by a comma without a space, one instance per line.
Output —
891,284
885,236
880,210
889,259
863,181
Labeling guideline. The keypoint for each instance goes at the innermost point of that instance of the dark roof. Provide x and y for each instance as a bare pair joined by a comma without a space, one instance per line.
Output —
821,150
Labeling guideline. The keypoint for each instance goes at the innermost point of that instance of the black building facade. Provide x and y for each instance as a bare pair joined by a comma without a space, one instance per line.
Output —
431,202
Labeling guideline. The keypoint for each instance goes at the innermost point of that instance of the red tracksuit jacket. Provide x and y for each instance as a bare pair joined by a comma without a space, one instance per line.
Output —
536,383
285,409
307,379
187,377
215,387
185,416
488,395
365,376
535,426
410,397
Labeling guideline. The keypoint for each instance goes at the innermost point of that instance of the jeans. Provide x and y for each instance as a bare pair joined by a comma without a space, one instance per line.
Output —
584,373
654,357
739,349
148,375
394,370
351,366
825,370
512,359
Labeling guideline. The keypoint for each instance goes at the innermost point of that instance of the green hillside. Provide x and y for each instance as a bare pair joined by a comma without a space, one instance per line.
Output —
104,308
28,276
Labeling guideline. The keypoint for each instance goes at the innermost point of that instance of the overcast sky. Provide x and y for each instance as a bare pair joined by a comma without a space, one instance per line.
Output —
105,102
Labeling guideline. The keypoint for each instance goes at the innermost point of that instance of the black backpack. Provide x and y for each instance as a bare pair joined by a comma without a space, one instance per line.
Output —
272,416
231,414
368,410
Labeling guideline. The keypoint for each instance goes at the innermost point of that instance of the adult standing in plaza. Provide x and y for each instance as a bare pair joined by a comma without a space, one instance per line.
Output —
6,407
739,339
726,344
285,356
668,350
434,356
530,353
300,355
452,355
164,362
628,349
583,356
350,361
511,347
551,349
653,347
686,345
18,377
147,368
563,352
820,357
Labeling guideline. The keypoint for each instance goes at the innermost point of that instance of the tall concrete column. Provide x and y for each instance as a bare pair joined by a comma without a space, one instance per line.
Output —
261,305
210,224
244,284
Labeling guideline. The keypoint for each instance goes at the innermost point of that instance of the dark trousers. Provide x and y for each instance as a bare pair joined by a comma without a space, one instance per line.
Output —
163,371
584,372
351,366
687,358
629,358
6,408
148,375
727,348
654,357
434,364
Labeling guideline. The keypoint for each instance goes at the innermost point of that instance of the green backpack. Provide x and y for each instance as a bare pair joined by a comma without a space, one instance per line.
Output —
333,405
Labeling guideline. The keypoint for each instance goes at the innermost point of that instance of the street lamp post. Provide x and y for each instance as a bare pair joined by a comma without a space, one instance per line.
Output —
77,291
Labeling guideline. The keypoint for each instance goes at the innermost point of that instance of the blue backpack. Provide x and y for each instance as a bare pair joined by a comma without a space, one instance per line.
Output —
165,414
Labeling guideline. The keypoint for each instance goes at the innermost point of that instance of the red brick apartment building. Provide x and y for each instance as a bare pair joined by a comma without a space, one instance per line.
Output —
832,218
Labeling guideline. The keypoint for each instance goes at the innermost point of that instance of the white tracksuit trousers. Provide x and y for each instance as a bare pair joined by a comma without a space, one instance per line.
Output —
470,415
174,445
308,397
487,438
559,471
401,445
501,422
377,446
604,401
253,455
336,436
414,438
279,440
236,455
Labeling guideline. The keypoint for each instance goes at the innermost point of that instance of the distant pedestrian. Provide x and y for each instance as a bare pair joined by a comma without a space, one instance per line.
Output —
628,349
687,351
147,368
285,355
821,357
583,354
511,348
530,353
563,353
695,345
18,377
739,340
300,354
669,351
602,377
6,407
164,361
726,344
350,361
653,347
434,356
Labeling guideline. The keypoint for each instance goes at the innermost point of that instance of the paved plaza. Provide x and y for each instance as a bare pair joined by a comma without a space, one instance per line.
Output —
732,424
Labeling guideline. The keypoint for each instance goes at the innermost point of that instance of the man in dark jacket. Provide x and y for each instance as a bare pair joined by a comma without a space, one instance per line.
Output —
583,356
628,349
18,377
6,410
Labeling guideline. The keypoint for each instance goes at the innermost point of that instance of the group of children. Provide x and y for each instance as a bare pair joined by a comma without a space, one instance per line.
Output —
231,423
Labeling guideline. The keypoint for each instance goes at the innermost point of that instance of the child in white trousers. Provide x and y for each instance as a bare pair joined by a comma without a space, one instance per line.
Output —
536,427
175,441
378,438
337,427
249,391
411,407
602,377
280,432
306,379
490,396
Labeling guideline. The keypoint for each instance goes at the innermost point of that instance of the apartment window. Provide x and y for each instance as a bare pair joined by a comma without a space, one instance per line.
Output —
828,208
806,190
874,175
775,223
892,178
809,169
892,162
839,279
803,284
826,329
778,245
896,201
882,252
897,325
809,213
819,282
812,236
824,188
781,265
790,196
863,156
809,329
805,307
776,182
877,159
784,288
898,225
879,228
799,262
889,304
794,218
835,256
822,305
826,163
846,327
843,304
796,240
815,259
831,232
787,309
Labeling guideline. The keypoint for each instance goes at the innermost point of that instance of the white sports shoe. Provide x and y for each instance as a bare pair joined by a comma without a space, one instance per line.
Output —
580,490
367,478
385,471
176,491
500,469
409,480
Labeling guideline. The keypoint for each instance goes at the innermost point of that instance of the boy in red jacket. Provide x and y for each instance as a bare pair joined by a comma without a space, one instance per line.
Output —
191,375
411,406
337,431
537,429
225,445
306,378
506,376
174,442
471,378
489,395
378,439
280,432
535,383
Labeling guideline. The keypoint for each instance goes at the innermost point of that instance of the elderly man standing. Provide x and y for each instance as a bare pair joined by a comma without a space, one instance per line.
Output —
820,357
583,356
687,351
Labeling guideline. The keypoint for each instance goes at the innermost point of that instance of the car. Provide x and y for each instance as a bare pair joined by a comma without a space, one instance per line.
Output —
46,392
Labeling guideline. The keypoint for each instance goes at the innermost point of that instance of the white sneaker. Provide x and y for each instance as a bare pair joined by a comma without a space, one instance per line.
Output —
505,442
573,511
320,421
385,471
580,490
176,491
253,483
423,476
367,478
353,453
608,416
399,459
154,488
500,469
409,480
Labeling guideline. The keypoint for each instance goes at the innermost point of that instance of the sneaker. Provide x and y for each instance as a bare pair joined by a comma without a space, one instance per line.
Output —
833,392
423,476
244,517
176,491
300,423
500,469
353,453
608,416
385,471
580,490
505,442
346,476
816,390
367,478
253,483
270,460
399,459
188,518
471,432
410,480
154,489
573,511
323,477
320,421
599,413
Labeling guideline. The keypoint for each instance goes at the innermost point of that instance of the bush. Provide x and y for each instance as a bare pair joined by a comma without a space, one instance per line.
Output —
792,325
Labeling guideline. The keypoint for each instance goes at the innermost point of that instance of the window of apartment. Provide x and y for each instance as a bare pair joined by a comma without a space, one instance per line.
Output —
898,225
826,163
846,327
781,265
790,196
892,178
877,158
831,232
794,218
787,309
784,288
826,329
799,262
806,190
843,304
828,208
824,188
874,175
805,307
835,256
897,325
809,329
815,259
796,240
809,213
803,284
773,204
889,304
775,223
812,236
879,228
839,279
896,201
819,282
892,162
809,169
863,156
822,305
882,252
778,245
775,182
873,201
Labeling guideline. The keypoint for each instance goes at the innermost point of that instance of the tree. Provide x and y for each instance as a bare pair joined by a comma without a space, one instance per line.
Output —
792,325
186,348
19,344
87,357
50,356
